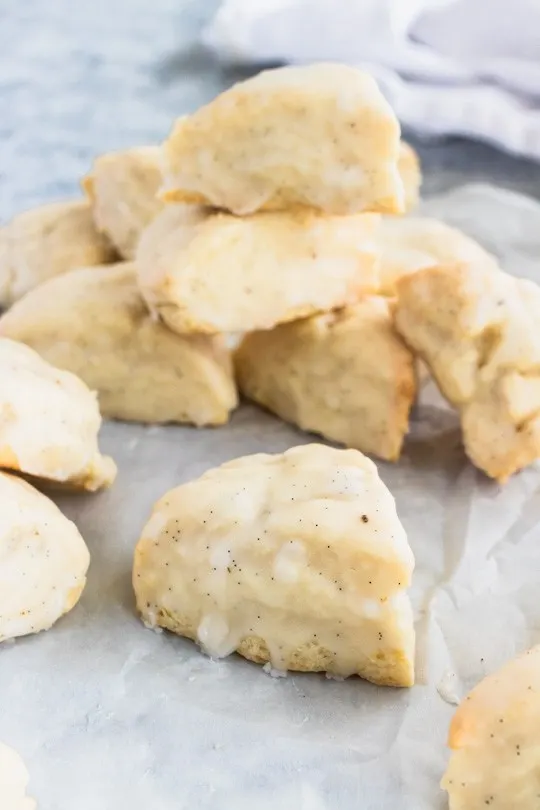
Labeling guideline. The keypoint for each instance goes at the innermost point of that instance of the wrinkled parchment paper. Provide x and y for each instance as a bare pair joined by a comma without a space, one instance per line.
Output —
111,716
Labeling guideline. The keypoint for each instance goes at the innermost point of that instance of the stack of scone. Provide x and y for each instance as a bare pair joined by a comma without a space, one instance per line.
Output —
271,194
273,197
273,215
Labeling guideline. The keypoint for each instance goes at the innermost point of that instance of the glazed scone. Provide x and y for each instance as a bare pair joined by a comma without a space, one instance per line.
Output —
411,174
408,244
122,188
13,781
477,330
297,559
344,374
495,760
203,271
43,560
49,422
47,242
319,136
94,323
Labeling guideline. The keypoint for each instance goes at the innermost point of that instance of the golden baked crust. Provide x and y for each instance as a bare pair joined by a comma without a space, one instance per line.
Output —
46,242
298,559
122,188
319,136
477,330
345,374
203,271
494,739
94,323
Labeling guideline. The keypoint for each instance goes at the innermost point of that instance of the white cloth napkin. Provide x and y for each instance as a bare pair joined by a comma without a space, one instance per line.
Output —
460,67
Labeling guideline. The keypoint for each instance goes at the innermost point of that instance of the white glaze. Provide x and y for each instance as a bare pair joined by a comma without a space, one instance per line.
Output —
43,560
302,550
214,636
289,561
448,688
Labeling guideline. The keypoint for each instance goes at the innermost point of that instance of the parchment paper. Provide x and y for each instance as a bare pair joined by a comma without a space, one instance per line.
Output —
111,716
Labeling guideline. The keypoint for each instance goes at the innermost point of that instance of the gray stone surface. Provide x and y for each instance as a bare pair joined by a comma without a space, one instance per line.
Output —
80,77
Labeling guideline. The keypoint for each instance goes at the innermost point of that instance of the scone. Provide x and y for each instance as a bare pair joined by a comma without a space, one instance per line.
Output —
297,559
344,374
49,422
411,174
43,560
13,781
319,136
477,330
94,323
409,244
203,271
495,760
47,242
122,188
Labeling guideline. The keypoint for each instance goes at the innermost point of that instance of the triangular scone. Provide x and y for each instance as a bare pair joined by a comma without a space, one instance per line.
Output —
495,761
477,330
49,422
411,174
203,271
122,188
409,244
13,781
345,374
43,560
94,323
47,242
297,559
319,136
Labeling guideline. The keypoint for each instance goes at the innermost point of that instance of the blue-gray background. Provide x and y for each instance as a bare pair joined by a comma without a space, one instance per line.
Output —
81,77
